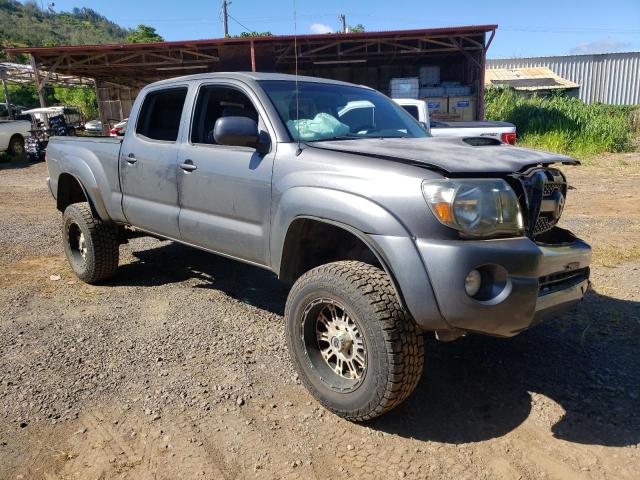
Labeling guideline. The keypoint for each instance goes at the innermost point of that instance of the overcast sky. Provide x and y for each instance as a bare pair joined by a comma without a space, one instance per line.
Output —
526,28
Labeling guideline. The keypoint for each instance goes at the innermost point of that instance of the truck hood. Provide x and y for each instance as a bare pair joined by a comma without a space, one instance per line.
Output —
450,155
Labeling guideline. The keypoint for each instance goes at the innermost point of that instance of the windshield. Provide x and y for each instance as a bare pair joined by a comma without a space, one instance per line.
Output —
328,111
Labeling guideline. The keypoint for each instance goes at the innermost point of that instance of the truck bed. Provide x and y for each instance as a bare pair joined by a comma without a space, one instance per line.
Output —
101,156
474,124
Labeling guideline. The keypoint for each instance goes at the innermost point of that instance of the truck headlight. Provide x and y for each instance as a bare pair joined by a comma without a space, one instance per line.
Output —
477,208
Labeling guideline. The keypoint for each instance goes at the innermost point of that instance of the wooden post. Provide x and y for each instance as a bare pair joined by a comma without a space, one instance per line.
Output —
483,65
39,85
7,98
253,57
101,113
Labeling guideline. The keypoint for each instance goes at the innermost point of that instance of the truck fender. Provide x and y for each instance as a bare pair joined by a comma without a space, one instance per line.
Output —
383,232
358,212
80,170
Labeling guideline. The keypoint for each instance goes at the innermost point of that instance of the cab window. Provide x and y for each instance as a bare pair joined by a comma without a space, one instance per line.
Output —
160,114
215,102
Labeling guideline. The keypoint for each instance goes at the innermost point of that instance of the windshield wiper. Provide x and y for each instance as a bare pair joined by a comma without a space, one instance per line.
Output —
337,137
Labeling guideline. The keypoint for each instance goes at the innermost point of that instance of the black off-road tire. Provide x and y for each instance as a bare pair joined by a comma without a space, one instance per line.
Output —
100,239
394,344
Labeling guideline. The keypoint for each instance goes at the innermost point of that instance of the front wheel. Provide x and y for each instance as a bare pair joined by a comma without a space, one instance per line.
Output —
355,348
91,245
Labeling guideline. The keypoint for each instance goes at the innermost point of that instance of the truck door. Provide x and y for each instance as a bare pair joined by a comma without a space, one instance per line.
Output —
225,191
148,162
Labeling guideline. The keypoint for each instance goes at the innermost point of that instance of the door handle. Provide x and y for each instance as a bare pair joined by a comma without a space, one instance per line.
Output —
188,166
131,158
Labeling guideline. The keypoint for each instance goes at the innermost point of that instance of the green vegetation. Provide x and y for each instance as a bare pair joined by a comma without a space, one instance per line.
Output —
27,25
144,34
562,124
252,34
83,98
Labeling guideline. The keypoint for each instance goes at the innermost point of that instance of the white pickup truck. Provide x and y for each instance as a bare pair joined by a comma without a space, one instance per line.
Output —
12,135
504,131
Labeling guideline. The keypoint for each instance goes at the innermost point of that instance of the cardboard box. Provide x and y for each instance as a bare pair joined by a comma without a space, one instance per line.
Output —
465,106
446,117
437,105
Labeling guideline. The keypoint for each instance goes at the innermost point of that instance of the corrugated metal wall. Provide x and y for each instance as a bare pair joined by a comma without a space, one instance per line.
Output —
612,78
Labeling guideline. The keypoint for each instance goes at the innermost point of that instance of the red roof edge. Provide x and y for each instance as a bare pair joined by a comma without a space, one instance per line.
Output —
247,40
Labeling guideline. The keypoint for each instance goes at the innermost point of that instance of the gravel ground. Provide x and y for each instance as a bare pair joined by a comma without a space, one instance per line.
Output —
178,367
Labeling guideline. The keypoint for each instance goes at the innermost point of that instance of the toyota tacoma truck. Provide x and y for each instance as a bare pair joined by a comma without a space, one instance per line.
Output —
383,232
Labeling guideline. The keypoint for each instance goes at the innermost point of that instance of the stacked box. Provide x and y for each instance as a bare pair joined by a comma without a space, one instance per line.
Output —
426,92
457,90
404,87
437,105
430,75
465,106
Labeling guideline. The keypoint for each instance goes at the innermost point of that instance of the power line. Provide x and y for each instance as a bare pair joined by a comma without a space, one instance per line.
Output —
243,26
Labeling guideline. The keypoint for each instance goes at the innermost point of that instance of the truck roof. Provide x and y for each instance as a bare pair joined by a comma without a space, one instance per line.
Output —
250,77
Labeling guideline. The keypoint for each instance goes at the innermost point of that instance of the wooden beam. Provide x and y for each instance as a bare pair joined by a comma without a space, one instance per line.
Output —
466,53
36,77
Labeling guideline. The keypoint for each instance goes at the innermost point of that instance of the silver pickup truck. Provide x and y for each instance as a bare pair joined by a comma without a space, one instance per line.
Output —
383,232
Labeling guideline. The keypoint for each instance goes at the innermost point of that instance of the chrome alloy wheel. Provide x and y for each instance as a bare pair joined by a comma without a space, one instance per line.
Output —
339,340
77,242
82,246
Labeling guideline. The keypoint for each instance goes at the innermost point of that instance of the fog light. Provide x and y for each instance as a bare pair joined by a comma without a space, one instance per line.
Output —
472,282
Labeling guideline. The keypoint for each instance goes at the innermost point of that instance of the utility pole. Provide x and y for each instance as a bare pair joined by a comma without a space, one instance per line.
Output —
225,19
343,19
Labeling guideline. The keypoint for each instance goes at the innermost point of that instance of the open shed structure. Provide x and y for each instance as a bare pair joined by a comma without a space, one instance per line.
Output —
368,58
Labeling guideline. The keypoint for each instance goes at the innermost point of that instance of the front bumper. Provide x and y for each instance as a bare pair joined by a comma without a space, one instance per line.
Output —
541,281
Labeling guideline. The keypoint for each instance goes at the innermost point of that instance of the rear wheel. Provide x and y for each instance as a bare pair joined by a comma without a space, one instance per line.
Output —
91,245
16,146
355,348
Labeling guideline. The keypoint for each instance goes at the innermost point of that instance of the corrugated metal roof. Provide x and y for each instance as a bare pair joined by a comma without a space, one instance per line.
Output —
612,78
527,79
467,29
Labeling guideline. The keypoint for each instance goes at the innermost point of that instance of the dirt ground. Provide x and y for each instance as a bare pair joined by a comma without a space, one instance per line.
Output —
178,367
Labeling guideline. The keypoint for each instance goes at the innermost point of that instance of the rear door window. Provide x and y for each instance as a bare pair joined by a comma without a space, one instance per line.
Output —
413,110
160,114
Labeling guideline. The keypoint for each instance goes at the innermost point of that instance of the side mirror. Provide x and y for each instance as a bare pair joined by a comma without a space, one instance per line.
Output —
236,131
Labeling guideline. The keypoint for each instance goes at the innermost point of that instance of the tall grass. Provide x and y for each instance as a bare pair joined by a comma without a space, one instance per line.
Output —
562,124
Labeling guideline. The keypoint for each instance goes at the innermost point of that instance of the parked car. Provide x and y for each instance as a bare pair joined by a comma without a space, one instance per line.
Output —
12,136
4,111
93,126
504,131
119,128
383,231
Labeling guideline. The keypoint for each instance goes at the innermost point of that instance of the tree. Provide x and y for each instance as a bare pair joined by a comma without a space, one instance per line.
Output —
254,34
144,34
83,98
353,29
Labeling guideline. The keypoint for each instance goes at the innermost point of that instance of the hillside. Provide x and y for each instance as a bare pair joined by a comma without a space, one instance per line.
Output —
27,25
